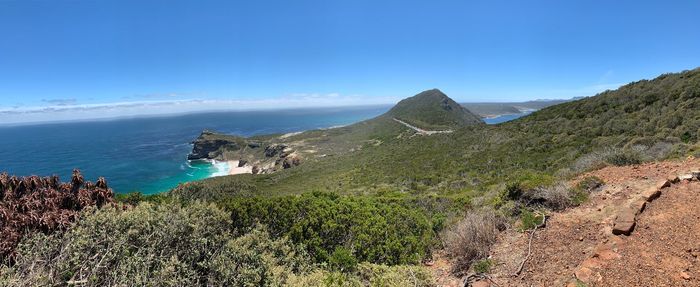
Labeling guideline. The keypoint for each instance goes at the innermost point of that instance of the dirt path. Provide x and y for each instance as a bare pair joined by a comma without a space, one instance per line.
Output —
422,131
578,244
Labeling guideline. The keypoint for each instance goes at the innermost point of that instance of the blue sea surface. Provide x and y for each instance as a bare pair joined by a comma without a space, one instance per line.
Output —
148,154
504,118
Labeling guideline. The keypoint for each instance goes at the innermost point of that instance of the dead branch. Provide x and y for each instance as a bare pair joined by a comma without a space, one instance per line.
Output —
529,245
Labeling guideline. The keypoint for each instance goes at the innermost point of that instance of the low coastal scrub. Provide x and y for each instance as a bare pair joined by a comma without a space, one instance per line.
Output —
166,244
367,274
341,230
170,244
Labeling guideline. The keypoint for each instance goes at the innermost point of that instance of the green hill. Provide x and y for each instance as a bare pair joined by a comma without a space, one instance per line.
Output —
432,109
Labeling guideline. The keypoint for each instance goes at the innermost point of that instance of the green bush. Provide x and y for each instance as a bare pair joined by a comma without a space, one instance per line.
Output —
483,266
364,228
367,275
529,220
590,183
162,245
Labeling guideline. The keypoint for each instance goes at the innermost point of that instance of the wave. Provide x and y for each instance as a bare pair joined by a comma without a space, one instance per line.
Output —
219,168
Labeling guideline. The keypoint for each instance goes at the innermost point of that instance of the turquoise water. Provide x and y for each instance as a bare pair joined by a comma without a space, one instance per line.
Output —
148,154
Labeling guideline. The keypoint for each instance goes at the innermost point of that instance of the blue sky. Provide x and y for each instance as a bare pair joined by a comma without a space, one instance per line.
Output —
134,57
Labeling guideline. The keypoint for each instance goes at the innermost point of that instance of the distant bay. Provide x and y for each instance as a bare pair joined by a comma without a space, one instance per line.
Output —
149,154
505,118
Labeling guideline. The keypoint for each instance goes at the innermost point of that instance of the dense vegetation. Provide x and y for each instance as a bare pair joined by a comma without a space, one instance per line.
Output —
169,244
341,230
380,202
433,110
35,204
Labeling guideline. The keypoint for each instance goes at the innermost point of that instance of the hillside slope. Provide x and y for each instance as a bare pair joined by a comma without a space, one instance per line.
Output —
432,109
578,245
645,120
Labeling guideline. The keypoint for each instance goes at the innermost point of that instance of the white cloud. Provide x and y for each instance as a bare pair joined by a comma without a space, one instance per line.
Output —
60,112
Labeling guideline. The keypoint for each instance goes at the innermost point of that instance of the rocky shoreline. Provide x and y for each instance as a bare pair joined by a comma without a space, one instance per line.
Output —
244,155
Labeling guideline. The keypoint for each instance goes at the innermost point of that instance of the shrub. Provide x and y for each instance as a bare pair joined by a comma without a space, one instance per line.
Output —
483,266
578,196
167,244
623,157
470,239
590,183
365,228
557,196
34,204
367,274
529,220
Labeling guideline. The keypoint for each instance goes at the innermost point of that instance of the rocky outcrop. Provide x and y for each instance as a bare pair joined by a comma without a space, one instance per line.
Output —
208,146
275,149
247,152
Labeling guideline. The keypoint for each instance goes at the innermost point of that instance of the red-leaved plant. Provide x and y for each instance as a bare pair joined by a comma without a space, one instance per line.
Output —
43,204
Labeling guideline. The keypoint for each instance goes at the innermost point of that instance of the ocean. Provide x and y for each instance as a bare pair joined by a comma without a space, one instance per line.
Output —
149,154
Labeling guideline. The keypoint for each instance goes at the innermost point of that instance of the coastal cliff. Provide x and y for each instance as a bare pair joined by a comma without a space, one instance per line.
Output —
210,145
246,155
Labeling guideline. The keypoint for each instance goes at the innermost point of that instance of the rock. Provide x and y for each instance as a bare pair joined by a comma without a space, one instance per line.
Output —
673,179
584,274
480,283
291,162
684,275
242,162
255,169
207,146
650,194
273,150
695,174
663,184
254,144
624,222
687,177
638,204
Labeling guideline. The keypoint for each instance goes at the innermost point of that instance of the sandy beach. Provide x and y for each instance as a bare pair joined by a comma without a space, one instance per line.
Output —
234,169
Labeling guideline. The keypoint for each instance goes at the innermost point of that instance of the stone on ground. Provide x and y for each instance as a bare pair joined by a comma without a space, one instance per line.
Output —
624,223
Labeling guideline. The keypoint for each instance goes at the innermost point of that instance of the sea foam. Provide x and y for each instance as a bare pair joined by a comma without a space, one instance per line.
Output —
220,168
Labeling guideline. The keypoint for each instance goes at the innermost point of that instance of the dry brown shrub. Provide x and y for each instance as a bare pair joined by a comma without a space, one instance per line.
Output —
36,204
471,238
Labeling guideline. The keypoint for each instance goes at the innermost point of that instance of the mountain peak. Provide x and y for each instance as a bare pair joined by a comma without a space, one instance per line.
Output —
433,109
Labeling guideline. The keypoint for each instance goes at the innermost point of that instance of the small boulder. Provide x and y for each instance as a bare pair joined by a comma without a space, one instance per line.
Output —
584,274
480,283
695,174
673,179
624,222
651,193
687,177
684,275
638,204
663,184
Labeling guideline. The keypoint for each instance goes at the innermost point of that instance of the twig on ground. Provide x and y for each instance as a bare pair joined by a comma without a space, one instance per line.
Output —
529,245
